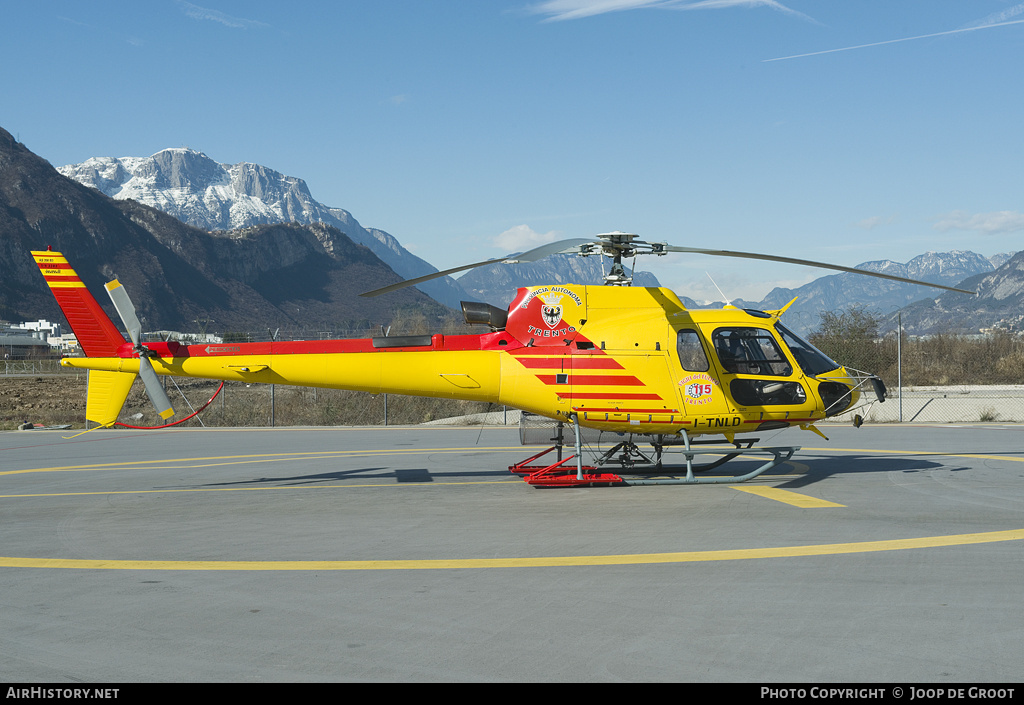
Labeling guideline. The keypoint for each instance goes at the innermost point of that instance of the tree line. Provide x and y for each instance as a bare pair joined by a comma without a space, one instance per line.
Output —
851,337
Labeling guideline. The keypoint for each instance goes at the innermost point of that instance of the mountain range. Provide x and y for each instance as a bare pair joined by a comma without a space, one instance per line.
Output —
199,191
208,195
999,303
249,246
496,284
250,279
836,292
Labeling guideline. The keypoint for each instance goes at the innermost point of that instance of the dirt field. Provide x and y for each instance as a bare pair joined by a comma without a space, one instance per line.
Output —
59,399
44,400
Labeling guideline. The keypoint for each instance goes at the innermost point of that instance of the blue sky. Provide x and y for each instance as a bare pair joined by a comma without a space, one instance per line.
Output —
833,131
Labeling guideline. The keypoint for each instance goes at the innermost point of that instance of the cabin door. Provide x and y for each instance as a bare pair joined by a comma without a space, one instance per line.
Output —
697,380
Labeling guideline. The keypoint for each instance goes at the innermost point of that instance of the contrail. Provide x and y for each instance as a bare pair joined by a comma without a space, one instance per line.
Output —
894,41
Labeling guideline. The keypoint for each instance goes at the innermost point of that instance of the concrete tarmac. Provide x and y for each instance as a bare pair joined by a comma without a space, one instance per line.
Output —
887,554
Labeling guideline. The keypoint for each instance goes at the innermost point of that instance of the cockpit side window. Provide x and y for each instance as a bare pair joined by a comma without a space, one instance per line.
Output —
691,353
750,351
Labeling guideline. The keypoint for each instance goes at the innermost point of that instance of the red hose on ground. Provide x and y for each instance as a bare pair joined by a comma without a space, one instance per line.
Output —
168,425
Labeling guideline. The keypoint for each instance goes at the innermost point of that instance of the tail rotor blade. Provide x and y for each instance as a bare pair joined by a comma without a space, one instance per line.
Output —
153,389
125,309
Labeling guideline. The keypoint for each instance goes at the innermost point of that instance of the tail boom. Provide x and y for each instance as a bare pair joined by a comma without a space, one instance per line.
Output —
451,374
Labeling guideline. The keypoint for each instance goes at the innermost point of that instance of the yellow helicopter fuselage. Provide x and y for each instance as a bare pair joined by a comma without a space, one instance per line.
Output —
621,359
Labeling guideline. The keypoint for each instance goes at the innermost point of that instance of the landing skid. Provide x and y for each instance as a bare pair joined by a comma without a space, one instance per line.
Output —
779,454
627,454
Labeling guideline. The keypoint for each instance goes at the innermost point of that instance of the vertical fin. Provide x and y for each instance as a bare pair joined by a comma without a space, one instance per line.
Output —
107,394
96,333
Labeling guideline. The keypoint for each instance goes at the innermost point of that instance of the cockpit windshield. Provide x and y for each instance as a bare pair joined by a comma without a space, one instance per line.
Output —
811,360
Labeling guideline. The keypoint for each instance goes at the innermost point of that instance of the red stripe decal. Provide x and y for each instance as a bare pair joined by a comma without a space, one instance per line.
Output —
626,411
609,395
540,363
576,363
589,380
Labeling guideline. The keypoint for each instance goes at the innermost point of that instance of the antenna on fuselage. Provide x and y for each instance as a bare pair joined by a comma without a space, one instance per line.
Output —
725,299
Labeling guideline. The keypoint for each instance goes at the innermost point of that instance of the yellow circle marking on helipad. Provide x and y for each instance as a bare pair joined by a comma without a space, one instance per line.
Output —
539,562
526,562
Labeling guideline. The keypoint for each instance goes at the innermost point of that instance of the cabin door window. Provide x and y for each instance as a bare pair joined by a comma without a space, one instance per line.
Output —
697,386
752,353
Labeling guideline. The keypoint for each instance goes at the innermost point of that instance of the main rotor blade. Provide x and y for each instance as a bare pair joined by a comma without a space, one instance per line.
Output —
125,309
809,263
528,256
154,390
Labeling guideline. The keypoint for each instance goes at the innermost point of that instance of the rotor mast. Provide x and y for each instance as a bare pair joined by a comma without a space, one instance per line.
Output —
618,245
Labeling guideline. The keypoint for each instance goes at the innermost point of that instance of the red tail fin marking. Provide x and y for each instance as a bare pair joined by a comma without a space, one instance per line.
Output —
96,333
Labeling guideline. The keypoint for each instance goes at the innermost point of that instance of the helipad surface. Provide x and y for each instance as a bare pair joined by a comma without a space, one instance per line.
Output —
890,553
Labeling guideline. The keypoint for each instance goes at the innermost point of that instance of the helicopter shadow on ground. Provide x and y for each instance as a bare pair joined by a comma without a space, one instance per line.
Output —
817,468
823,467
399,475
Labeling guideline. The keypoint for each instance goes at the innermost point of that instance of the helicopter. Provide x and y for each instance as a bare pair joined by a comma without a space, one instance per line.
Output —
631,362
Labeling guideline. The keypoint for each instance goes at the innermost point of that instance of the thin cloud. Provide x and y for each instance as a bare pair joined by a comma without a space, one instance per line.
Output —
725,4
205,13
998,19
62,18
134,41
875,222
522,238
997,223
558,10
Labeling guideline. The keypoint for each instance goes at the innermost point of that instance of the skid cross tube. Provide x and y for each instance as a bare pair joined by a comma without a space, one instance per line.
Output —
629,451
780,454
662,441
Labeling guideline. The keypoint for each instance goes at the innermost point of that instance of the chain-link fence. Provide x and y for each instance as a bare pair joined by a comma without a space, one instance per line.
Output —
240,405
939,378
913,396
13,368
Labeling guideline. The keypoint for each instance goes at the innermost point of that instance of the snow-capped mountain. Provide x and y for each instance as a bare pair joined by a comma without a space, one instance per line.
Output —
271,276
203,193
841,291
998,305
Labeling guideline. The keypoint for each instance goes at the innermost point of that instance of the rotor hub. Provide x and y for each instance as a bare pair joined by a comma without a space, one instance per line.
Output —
617,245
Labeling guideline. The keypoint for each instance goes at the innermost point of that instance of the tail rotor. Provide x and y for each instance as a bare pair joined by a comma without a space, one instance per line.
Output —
126,310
